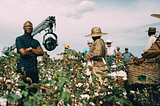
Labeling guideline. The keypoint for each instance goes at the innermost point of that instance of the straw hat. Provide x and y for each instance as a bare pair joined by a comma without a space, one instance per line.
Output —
156,15
151,29
108,41
96,31
67,46
117,47
89,42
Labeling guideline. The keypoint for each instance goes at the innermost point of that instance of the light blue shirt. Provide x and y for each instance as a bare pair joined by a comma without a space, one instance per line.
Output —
86,50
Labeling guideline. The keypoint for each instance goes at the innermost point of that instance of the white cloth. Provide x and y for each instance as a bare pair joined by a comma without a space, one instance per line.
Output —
149,42
111,51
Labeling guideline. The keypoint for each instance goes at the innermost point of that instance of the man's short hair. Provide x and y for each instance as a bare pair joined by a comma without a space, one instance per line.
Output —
126,48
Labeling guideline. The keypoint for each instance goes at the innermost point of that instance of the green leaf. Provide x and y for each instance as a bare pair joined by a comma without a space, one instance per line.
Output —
65,95
141,78
92,93
11,97
38,96
122,101
77,94
25,93
53,104
28,103
94,77
1,74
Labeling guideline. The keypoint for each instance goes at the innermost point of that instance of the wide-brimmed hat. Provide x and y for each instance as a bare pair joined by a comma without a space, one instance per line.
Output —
151,29
117,47
108,41
67,46
96,31
156,15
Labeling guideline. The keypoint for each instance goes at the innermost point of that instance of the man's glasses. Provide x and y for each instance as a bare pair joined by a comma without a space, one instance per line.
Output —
28,26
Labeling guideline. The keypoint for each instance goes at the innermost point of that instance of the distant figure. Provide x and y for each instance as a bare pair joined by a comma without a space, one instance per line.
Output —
86,50
127,56
66,47
119,54
152,38
111,51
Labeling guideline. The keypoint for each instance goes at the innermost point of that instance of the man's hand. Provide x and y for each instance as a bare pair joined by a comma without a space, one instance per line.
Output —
140,60
28,49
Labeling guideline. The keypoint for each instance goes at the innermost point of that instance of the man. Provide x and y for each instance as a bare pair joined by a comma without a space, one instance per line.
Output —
127,56
29,49
86,50
97,53
152,54
66,47
152,38
111,51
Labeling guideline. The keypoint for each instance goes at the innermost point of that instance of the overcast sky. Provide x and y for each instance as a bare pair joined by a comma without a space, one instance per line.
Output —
126,21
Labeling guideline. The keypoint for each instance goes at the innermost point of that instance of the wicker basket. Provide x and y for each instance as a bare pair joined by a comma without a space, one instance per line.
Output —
148,69
118,80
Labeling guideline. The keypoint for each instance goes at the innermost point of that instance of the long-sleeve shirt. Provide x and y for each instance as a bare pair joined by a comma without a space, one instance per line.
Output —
86,50
154,50
149,42
97,52
111,51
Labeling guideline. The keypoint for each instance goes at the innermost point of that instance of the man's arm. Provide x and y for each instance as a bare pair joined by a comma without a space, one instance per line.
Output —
31,52
38,51
97,52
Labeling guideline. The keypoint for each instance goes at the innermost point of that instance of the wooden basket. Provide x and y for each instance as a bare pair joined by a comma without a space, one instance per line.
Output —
148,69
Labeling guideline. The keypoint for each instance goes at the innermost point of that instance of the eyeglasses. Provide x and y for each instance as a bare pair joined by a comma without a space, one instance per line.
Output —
28,26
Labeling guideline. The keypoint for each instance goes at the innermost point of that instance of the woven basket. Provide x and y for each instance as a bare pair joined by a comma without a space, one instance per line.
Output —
148,69
118,80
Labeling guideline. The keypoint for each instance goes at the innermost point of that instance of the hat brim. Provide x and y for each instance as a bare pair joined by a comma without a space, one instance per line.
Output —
108,42
67,46
151,31
96,35
156,15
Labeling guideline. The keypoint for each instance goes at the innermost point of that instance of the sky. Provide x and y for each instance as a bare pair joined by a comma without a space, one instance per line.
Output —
125,21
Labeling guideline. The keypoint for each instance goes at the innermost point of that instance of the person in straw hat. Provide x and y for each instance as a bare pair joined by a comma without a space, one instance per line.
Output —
97,54
66,47
119,54
111,51
152,54
152,38
86,50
